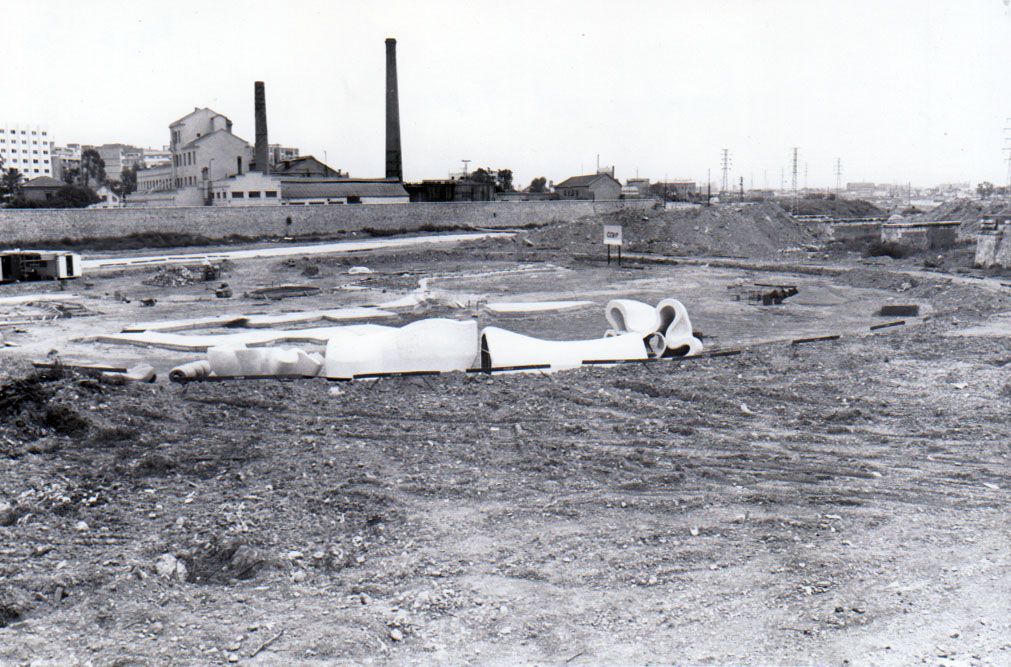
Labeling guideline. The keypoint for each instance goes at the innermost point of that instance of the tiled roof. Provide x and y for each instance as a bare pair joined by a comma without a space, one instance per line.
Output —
580,181
319,189
43,182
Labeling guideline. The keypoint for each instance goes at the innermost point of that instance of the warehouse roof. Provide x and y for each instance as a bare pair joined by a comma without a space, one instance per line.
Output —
320,188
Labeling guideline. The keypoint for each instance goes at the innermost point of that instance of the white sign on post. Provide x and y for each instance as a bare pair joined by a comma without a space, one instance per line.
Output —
612,235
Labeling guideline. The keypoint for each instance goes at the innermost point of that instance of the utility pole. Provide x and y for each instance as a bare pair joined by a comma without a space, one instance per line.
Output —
793,182
838,175
725,165
1007,149
742,188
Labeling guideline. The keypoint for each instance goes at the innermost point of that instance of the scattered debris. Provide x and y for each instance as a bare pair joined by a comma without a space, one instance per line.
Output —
899,310
173,276
283,292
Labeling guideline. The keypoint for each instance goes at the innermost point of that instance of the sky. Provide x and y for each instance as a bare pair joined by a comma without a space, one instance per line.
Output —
899,90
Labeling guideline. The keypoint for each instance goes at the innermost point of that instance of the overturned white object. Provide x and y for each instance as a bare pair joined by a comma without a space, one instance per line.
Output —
669,319
506,349
234,360
438,345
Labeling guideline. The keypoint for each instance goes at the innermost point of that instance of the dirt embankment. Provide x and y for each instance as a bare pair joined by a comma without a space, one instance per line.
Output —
735,230
969,212
834,208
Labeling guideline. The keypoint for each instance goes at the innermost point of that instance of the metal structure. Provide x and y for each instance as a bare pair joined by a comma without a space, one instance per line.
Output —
725,165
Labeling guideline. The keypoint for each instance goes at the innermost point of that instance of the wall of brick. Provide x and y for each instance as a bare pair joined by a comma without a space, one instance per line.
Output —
33,226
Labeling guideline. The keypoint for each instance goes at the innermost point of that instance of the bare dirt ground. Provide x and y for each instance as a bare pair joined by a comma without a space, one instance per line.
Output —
841,502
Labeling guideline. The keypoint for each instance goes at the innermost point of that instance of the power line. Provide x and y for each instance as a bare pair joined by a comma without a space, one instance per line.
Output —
725,165
838,174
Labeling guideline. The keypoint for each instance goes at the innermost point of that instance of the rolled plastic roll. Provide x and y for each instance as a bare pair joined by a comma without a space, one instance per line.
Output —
190,371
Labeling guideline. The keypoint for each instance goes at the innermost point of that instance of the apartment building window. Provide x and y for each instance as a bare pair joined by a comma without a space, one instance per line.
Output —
254,194
270,194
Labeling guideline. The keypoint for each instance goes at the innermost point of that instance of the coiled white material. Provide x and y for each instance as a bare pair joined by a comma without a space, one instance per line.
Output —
669,319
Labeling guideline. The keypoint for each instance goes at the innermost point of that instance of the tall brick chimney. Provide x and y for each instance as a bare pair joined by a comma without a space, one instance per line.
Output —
394,158
260,110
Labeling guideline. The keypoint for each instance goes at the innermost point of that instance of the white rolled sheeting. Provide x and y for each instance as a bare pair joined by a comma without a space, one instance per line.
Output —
436,345
234,360
504,349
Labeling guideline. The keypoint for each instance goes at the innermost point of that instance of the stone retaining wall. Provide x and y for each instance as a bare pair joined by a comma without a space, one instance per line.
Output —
28,226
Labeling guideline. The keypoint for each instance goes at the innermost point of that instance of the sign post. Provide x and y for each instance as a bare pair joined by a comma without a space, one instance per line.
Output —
612,237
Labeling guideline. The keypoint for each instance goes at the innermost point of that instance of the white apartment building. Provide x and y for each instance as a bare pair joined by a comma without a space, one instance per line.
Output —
26,148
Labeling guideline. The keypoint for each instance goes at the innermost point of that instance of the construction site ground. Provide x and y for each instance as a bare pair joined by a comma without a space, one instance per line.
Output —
829,502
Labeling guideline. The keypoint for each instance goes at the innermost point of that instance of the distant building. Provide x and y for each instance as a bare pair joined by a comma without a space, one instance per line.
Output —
592,186
66,159
118,157
305,166
451,189
256,189
679,189
156,179
202,150
638,187
154,157
861,189
41,189
27,148
107,198
279,153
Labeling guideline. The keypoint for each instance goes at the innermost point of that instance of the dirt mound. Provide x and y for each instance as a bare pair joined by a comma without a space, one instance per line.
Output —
39,405
744,230
969,212
832,207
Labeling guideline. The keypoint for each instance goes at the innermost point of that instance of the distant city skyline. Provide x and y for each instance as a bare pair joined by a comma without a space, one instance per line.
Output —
901,92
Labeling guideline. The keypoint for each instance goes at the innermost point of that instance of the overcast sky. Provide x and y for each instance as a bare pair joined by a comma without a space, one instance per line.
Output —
900,90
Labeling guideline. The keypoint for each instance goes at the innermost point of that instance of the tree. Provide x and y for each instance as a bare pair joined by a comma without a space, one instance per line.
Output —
504,180
74,196
71,175
10,184
92,167
127,182
985,189
482,175
539,184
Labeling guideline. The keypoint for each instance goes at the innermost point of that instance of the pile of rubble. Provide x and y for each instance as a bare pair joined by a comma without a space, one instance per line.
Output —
178,276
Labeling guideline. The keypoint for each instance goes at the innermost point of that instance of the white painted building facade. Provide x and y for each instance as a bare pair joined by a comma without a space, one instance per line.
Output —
27,148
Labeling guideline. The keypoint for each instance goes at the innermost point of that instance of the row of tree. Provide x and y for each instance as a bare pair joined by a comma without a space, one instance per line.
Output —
986,189
69,196
92,170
